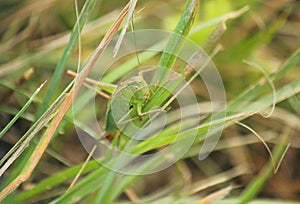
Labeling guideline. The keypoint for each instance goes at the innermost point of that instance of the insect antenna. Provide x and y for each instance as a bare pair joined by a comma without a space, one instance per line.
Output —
135,43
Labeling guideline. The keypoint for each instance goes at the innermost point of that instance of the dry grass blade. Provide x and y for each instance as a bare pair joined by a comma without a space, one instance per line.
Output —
125,27
82,168
218,195
97,83
43,143
259,68
261,139
217,179
131,195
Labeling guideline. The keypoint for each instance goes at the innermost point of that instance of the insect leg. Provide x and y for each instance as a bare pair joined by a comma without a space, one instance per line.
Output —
140,115
146,70
110,88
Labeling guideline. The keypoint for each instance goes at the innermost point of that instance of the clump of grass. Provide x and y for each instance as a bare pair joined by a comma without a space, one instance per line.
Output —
93,183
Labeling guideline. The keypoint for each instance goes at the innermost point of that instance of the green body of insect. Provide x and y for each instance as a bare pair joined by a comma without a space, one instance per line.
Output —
128,99
127,102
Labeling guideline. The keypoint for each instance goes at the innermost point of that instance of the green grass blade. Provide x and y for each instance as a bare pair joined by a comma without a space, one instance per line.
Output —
23,109
182,28
82,20
13,111
14,89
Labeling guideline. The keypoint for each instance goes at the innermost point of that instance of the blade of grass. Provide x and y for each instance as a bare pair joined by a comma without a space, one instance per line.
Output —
37,126
125,27
12,111
82,168
23,109
257,183
219,19
217,195
182,28
264,102
16,90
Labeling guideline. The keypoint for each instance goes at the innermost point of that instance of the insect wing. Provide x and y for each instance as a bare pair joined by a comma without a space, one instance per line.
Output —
118,108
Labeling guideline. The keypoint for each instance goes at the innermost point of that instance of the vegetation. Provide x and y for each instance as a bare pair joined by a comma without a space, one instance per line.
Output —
52,149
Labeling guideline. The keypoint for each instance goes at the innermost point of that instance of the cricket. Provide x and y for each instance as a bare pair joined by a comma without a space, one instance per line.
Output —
129,97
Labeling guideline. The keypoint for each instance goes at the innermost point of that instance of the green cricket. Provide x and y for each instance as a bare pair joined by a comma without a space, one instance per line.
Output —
128,98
